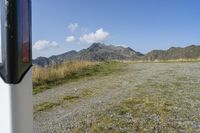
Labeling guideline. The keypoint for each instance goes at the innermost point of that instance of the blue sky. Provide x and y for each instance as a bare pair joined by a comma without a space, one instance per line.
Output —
63,25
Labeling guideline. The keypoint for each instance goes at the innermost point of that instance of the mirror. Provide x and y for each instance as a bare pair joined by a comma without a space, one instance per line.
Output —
15,41
26,32
0,41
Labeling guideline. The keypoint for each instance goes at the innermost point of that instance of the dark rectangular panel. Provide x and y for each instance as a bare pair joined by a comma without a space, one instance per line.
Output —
26,32
0,40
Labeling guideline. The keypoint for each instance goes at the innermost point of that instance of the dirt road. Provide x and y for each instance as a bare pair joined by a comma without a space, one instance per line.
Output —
80,106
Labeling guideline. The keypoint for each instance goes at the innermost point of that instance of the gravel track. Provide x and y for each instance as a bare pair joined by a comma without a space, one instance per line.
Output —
105,91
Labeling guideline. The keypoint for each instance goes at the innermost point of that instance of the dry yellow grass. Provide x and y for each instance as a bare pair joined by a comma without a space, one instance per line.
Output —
46,78
59,71
43,78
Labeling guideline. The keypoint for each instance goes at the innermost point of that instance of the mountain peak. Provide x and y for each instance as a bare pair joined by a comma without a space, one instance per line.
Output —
96,52
102,52
96,46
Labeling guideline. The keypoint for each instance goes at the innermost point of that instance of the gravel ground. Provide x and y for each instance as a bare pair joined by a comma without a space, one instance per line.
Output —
97,94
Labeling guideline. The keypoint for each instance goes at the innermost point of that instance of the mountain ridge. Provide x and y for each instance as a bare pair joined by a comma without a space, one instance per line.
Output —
103,52
96,52
188,52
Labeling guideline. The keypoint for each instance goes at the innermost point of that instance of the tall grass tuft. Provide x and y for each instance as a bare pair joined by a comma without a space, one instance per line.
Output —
45,77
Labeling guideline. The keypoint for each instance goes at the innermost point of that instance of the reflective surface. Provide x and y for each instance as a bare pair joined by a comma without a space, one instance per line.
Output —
0,41
26,34
16,53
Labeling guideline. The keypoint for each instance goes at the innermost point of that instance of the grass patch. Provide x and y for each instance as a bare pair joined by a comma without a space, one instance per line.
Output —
40,88
70,98
87,93
49,105
46,78
45,106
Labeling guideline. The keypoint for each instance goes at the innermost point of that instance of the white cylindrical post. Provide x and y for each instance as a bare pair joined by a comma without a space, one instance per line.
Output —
16,115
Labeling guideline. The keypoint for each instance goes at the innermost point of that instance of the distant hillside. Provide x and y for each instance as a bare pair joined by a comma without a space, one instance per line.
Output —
96,52
173,53
102,52
56,59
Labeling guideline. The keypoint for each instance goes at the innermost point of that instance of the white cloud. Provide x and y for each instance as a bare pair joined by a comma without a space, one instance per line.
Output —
44,44
72,27
99,36
70,39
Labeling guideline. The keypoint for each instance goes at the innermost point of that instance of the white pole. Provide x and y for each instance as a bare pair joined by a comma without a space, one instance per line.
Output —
16,113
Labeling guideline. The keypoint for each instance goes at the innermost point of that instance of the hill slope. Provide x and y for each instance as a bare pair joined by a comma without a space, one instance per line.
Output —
96,52
190,52
102,52
56,59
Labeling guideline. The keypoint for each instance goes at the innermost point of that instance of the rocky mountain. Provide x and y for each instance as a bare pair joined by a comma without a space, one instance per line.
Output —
102,52
96,52
56,59
190,52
